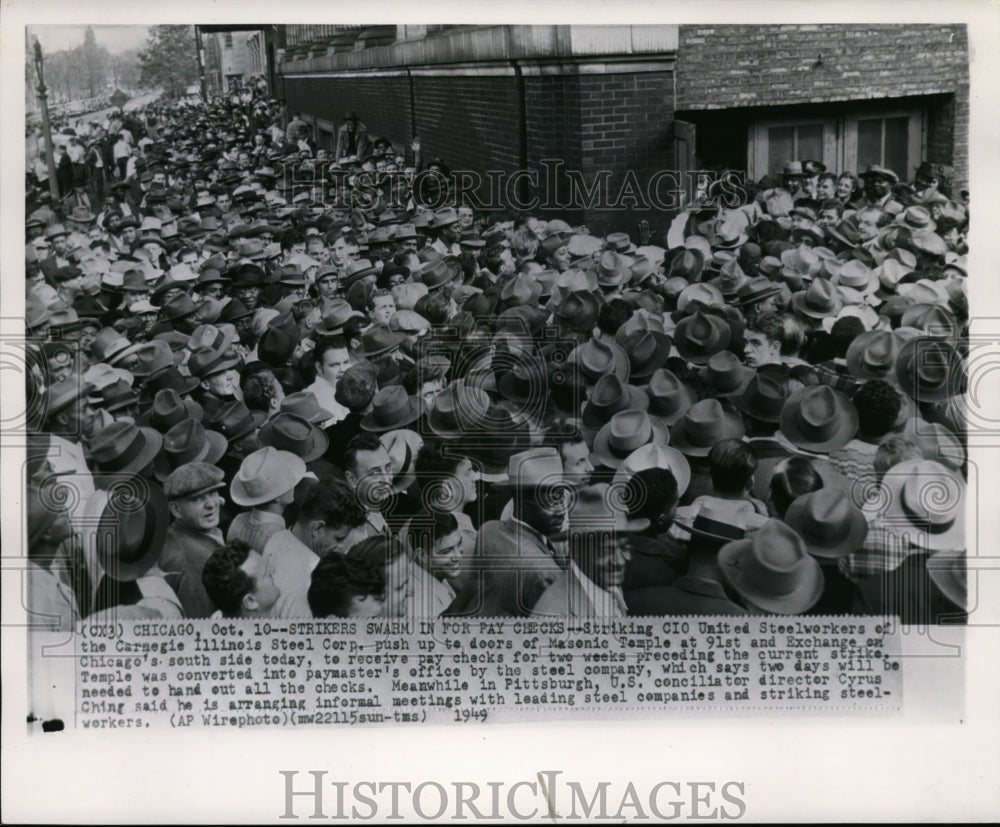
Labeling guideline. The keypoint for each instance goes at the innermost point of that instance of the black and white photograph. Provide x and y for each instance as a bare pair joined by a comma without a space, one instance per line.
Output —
524,382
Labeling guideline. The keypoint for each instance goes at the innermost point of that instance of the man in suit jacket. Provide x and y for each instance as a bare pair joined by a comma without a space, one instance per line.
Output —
597,536
515,561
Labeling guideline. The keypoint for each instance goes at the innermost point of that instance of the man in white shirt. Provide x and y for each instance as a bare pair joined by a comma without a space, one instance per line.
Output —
332,358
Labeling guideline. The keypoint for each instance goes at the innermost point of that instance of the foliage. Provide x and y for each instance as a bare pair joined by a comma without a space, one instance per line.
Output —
86,71
169,60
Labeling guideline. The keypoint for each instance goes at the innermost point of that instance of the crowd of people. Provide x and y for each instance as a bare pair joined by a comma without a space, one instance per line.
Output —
257,391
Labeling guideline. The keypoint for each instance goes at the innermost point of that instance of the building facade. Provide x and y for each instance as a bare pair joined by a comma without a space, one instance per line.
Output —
610,121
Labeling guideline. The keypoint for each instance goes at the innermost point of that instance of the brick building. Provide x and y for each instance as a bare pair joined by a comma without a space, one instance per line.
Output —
623,107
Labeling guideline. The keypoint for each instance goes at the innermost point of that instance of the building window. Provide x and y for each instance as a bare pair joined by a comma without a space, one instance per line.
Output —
229,40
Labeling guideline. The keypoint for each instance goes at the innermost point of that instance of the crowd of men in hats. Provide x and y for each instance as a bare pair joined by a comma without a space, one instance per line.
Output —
250,398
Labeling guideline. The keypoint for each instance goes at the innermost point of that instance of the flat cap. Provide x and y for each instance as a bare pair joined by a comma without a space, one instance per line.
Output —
192,480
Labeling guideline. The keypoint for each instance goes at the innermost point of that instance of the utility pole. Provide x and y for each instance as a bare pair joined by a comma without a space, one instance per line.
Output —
43,103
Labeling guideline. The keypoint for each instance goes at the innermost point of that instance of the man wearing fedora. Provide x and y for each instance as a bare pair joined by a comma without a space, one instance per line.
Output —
597,537
516,559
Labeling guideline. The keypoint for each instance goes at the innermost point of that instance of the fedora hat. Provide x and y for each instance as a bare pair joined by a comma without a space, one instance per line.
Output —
756,290
534,467
99,375
60,395
612,269
856,275
642,320
726,374
582,246
110,347
687,264
206,362
188,441
611,395
668,397
799,262
444,217
358,270
655,455
819,300
233,310
153,356
217,337
619,243
624,433
578,310
713,524
730,279
288,432
379,341
594,510
526,383
125,447
873,355
521,290
704,424
702,292
930,370
828,522
647,352
265,475
728,236
597,357
772,570
931,320
700,336
819,419
333,321
169,409
926,501
948,569
132,522
234,420
392,408
168,379
458,410
81,215
305,405
764,395
402,446
113,397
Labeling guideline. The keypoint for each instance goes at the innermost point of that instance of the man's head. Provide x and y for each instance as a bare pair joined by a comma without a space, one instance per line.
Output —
328,514
392,558
564,434
368,470
652,494
878,404
239,581
732,465
446,478
343,586
332,359
762,343
193,495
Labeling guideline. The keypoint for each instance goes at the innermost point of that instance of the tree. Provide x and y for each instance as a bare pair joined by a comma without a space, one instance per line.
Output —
169,60
93,60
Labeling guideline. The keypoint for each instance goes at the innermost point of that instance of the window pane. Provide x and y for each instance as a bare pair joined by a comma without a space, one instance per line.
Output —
897,146
869,143
780,148
810,143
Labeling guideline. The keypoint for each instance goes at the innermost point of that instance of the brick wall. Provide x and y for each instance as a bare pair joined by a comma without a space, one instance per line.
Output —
725,67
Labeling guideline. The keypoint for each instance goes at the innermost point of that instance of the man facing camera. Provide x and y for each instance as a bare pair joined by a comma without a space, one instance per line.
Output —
240,582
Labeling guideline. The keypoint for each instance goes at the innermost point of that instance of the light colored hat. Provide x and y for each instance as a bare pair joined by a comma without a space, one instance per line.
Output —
266,474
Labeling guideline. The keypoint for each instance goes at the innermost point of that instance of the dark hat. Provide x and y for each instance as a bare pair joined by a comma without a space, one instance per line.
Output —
288,432
124,446
114,396
358,270
764,395
525,383
233,310
304,405
626,432
609,396
773,570
379,340
756,290
598,357
687,264
392,408
332,324
819,300
192,480
60,395
931,370
669,398
153,356
876,170
726,374
873,354
648,351
700,336
435,274
168,409
131,528
578,311
828,522
703,425
179,307
819,419
189,441
459,409
169,379
206,362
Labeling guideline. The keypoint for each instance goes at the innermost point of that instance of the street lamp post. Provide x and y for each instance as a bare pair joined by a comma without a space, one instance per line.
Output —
46,128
